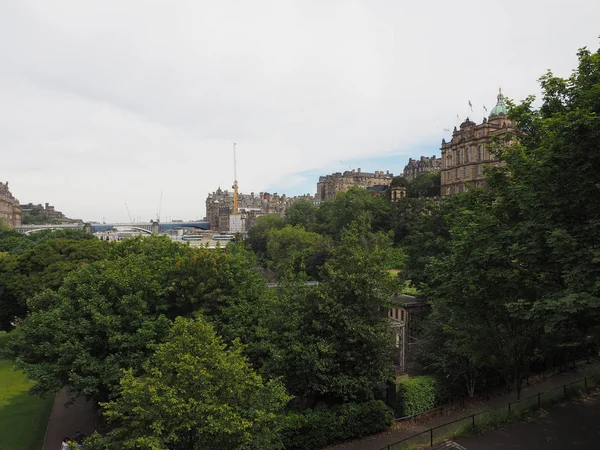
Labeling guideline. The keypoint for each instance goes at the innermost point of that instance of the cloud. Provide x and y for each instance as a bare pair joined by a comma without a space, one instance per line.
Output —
107,102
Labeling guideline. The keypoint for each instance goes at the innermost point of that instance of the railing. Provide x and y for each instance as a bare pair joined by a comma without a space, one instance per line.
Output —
483,419
461,402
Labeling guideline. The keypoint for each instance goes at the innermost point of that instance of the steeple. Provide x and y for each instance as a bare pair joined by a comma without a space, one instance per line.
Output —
500,109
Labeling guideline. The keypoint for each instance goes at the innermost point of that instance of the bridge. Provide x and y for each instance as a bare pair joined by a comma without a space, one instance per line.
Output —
152,227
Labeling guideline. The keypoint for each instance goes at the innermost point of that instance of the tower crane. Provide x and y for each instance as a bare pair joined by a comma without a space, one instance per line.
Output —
235,183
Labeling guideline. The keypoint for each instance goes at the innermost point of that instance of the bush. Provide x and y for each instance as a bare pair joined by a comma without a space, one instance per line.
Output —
315,429
417,395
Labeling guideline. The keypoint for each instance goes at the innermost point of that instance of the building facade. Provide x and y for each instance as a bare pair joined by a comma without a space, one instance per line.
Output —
46,210
424,164
10,211
464,157
329,185
219,207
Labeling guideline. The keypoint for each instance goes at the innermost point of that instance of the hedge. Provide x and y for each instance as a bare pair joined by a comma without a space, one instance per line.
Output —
417,395
315,429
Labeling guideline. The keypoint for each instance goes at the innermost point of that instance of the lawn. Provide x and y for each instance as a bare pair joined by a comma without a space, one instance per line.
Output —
23,417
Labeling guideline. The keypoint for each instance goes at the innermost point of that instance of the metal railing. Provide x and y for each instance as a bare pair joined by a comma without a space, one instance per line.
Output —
461,402
482,419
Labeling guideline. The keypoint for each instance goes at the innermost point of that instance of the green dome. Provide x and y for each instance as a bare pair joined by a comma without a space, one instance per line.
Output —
500,109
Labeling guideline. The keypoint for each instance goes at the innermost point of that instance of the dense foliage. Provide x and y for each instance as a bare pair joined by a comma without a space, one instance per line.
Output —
510,273
514,283
417,395
196,394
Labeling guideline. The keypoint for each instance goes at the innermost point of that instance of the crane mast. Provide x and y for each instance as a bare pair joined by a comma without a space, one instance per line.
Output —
235,183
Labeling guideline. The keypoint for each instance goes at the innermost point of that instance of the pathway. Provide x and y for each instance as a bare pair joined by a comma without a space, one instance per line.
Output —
404,430
65,421
573,425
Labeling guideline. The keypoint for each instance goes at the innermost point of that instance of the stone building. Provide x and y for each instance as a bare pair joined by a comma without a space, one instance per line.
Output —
418,166
10,211
47,210
329,185
219,207
464,157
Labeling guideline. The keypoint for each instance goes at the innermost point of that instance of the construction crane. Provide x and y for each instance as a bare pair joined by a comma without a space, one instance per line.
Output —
128,213
235,183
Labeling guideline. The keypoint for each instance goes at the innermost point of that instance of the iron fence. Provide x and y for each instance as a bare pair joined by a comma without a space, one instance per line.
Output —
482,419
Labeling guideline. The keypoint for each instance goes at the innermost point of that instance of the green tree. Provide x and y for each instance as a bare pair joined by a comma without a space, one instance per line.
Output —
302,212
196,394
328,342
360,206
258,234
425,185
101,320
43,266
293,251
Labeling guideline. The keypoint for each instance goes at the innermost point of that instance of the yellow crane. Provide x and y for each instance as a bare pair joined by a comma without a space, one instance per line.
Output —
235,183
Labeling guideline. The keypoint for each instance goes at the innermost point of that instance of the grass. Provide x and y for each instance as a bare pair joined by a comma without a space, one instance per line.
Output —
23,417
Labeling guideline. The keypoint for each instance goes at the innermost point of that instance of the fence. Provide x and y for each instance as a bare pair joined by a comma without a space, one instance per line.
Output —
462,403
484,419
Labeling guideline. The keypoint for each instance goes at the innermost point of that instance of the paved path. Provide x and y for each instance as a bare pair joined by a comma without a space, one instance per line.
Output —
573,425
406,429
65,421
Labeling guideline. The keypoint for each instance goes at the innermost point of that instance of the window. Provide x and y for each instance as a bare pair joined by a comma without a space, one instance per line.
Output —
458,156
402,315
479,169
457,173
467,155
466,174
480,153
396,313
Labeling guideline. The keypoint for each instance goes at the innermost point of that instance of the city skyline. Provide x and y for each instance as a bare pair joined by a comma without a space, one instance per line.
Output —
106,102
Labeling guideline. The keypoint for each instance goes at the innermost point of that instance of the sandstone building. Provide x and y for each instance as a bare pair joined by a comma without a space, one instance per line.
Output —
464,157
10,211
425,164
329,185
48,210
219,206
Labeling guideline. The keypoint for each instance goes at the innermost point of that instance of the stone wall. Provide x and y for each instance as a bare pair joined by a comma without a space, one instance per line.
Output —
10,211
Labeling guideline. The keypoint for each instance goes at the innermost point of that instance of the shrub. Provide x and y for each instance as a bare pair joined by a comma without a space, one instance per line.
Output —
315,429
417,395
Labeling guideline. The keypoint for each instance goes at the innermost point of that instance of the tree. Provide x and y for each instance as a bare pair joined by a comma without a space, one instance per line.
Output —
257,235
196,394
302,212
293,251
328,342
101,320
44,266
426,184
360,206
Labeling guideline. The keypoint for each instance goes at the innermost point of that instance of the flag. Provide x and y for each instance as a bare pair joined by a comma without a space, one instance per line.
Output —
471,105
485,109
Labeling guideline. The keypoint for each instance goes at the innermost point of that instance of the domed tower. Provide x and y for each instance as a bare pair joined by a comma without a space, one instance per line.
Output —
500,109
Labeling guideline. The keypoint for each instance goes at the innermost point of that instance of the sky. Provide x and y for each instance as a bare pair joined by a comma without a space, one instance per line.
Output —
109,102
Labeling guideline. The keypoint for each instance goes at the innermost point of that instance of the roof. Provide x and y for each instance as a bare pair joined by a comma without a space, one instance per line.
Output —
500,109
409,301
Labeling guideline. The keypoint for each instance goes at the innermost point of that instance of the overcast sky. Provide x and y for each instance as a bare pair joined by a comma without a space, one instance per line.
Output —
107,102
